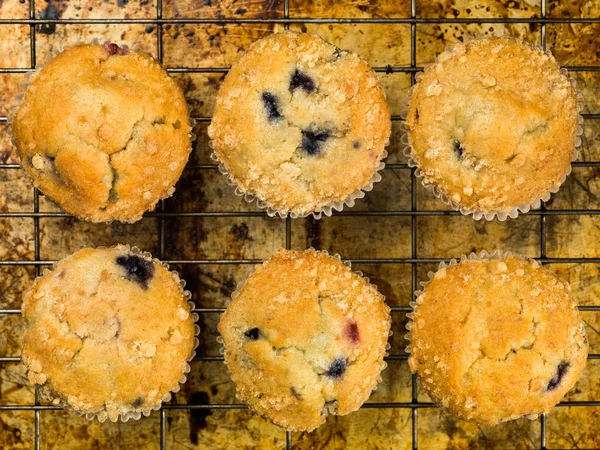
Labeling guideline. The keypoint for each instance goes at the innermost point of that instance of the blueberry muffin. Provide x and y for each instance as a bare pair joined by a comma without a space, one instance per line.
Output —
108,333
493,125
305,336
497,339
300,124
103,132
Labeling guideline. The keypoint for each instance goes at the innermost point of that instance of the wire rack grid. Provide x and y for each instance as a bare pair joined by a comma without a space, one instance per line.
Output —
414,405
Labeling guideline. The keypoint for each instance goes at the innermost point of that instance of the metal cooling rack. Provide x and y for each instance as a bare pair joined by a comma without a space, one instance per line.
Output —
414,405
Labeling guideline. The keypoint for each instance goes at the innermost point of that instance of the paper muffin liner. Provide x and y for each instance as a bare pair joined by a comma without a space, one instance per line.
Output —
327,210
28,77
328,408
56,399
412,160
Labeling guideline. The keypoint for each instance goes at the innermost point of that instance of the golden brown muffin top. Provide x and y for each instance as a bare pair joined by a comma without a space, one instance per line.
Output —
304,335
103,132
300,124
107,332
493,124
497,339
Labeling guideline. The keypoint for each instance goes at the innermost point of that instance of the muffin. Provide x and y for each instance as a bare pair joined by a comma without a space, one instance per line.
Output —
108,333
305,336
300,125
103,132
492,126
496,338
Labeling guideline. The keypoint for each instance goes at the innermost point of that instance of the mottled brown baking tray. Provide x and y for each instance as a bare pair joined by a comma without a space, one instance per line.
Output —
395,234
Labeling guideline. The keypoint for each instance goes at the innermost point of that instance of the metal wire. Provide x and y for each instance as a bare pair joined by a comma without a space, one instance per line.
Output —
543,224
414,405
413,227
288,220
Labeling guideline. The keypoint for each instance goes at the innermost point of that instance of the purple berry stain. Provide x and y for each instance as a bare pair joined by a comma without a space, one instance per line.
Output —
137,269
303,81
561,370
313,140
352,332
337,368
114,49
252,334
271,106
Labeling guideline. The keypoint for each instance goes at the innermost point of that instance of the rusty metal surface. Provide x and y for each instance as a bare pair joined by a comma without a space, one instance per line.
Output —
208,45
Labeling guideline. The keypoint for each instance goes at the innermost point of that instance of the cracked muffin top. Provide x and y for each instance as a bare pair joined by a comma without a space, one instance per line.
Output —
497,339
305,335
300,124
103,132
108,332
493,125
